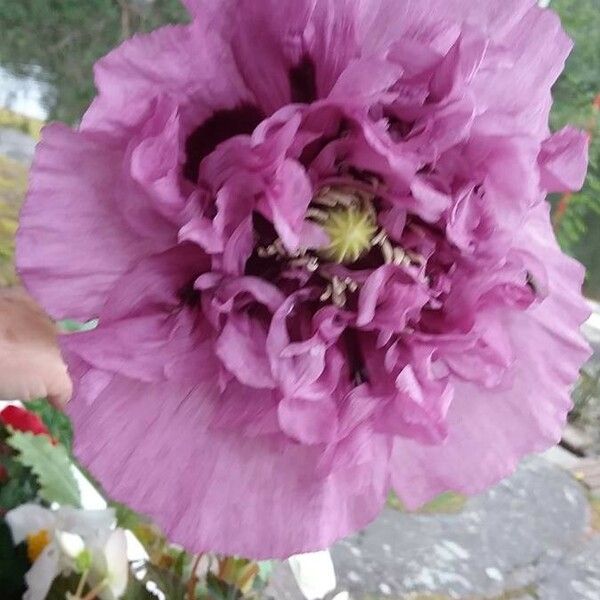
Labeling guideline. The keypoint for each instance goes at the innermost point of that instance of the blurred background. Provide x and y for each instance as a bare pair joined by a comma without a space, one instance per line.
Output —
534,536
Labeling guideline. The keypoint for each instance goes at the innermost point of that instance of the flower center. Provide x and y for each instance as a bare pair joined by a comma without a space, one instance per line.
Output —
36,542
349,219
348,216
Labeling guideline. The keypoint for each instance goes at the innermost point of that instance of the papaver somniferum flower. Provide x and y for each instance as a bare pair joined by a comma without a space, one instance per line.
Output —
315,235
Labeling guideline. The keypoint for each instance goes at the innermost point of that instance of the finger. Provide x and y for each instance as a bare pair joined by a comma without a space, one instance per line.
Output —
60,390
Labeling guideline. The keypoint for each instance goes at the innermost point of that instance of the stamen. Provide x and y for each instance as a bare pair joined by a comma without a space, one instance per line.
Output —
320,216
379,238
339,292
351,284
326,294
313,264
417,259
387,251
400,257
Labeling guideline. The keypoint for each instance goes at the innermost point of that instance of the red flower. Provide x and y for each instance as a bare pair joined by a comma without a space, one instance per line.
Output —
23,420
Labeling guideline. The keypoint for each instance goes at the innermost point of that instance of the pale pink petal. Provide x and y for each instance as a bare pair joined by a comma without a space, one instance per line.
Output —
142,323
308,421
76,191
563,160
233,482
242,349
489,431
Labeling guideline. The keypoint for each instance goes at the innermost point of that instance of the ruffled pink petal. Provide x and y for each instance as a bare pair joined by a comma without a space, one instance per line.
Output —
242,349
459,65
309,421
157,157
77,189
235,294
275,52
334,42
222,485
200,230
489,431
238,248
365,80
310,367
146,329
504,158
563,160
388,298
243,410
418,409
188,63
288,200
427,201
382,22
538,50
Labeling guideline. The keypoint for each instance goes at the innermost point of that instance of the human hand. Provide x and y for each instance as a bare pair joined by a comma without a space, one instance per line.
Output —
30,362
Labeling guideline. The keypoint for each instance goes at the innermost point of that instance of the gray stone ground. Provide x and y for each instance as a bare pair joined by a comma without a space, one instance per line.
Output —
528,538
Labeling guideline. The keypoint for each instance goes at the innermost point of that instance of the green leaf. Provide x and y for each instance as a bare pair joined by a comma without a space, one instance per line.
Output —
448,503
70,326
182,558
219,590
51,465
20,485
55,420
13,493
13,565
265,568
83,562
126,517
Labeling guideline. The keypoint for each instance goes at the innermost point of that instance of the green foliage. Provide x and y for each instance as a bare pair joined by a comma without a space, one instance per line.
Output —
577,218
167,582
20,487
127,518
70,326
219,590
448,503
51,465
55,420
63,585
59,41
18,484
13,565
13,183
586,398
137,590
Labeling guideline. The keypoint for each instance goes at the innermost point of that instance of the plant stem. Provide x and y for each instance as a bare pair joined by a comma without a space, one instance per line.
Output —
231,592
95,591
193,580
81,585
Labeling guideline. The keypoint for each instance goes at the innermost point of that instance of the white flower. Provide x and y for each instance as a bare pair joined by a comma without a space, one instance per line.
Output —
314,574
71,544
57,538
110,564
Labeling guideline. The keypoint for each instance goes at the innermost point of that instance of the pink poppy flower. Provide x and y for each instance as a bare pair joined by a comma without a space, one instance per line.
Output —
315,235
